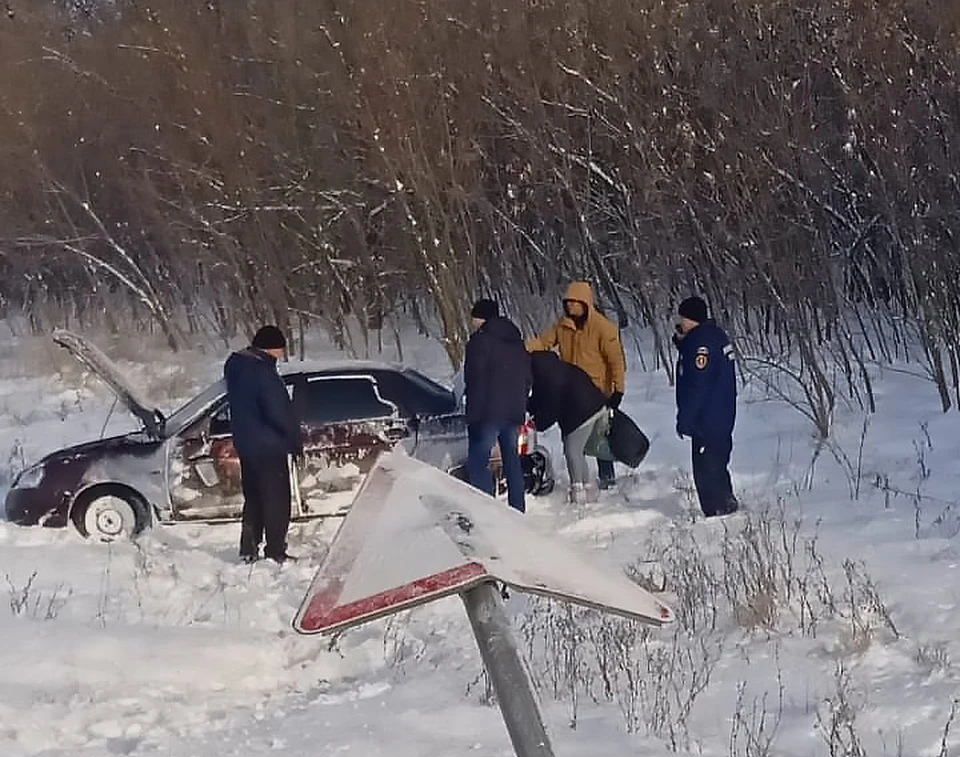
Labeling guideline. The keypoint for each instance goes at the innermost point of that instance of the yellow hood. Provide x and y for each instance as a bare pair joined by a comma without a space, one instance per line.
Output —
580,291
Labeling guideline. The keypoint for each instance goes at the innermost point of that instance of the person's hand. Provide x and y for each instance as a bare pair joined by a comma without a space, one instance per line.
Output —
614,401
677,336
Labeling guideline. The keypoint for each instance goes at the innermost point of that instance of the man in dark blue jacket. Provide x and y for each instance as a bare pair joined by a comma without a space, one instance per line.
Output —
497,380
707,404
265,432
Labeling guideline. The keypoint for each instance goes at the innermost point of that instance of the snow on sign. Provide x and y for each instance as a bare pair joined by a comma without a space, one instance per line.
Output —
415,534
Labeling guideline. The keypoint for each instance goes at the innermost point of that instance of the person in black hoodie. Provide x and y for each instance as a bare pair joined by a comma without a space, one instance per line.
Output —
497,380
265,432
566,395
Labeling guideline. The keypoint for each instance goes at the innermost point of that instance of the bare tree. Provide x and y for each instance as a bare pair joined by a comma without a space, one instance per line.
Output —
211,166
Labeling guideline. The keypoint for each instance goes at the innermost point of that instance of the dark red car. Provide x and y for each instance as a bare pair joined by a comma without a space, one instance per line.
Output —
184,467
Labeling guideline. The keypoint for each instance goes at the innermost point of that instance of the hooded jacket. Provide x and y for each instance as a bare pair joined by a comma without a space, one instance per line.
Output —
262,418
562,393
595,347
706,384
496,374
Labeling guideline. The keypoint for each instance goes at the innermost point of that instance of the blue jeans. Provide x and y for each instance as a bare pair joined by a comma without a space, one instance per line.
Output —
481,437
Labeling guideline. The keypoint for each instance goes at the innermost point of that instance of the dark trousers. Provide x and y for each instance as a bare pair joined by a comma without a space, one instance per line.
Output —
605,471
712,479
266,505
481,438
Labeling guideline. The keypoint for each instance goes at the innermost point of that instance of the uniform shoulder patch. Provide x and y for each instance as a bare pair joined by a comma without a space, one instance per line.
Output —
702,358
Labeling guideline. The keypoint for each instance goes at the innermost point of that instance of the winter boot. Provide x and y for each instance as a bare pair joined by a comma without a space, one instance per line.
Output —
281,558
578,494
591,493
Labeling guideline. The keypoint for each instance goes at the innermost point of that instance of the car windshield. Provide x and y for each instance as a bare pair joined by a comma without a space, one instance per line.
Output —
188,412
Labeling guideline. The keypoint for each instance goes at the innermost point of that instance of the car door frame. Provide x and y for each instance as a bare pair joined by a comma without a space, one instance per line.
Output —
175,440
300,400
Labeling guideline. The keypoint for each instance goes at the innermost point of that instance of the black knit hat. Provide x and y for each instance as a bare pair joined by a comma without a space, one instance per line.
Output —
694,309
269,338
485,309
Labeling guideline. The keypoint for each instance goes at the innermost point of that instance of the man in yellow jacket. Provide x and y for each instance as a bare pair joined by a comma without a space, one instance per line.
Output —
586,339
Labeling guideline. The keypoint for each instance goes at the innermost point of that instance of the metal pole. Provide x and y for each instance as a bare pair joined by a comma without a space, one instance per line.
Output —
491,627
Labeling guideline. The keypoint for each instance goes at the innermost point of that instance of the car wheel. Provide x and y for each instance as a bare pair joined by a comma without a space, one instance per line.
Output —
545,488
538,473
110,515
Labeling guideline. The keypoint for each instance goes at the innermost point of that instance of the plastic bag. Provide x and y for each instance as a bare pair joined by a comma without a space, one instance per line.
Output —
598,443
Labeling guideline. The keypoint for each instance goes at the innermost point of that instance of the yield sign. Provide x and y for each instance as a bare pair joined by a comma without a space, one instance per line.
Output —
415,534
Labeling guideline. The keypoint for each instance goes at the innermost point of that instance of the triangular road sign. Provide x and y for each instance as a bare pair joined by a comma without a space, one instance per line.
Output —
415,534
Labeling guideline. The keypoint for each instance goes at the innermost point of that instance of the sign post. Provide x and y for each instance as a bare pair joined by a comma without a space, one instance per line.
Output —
415,534
491,627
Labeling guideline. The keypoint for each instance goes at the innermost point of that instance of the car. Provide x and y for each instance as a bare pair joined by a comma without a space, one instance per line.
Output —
184,468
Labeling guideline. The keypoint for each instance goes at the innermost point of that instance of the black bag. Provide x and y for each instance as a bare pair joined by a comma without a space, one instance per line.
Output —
628,443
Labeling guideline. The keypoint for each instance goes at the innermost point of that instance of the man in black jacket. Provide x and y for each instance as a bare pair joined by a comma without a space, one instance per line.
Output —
265,432
566,395
497,377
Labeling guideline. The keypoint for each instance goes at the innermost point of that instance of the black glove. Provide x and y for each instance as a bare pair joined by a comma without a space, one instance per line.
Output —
679,432
615,399
677,336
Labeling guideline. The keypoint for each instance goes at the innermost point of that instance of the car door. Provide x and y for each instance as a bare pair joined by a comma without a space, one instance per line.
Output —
441,429
347,424
204,479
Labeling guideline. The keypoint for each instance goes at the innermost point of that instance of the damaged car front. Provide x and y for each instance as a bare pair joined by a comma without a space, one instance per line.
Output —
102,486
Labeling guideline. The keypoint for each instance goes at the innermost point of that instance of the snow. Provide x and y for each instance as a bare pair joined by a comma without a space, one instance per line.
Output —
169,646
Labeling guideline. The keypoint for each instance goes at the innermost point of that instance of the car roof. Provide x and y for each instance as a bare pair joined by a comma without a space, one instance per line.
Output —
336,366
188,412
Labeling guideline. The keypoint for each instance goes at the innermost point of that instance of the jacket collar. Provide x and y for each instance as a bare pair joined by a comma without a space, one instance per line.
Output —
680,341
257,354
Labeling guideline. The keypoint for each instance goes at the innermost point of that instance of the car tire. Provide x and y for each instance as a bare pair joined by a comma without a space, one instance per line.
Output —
545,488
538,473
109,514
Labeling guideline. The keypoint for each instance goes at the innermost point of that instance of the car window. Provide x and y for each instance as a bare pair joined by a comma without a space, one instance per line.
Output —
426,396
220,418
342,398
220,421
414,393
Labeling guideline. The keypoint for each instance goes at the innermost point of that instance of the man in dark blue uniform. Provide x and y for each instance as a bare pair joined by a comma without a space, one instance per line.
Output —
706,404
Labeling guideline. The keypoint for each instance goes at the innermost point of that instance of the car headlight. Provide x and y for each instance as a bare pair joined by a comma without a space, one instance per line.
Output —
30,478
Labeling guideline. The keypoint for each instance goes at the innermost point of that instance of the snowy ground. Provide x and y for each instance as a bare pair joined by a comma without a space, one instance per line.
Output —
820,622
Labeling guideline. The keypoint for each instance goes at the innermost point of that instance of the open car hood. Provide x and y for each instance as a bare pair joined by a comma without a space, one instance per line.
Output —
151,417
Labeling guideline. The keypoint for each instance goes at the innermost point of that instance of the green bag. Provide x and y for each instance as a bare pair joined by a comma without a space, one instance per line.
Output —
598,443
